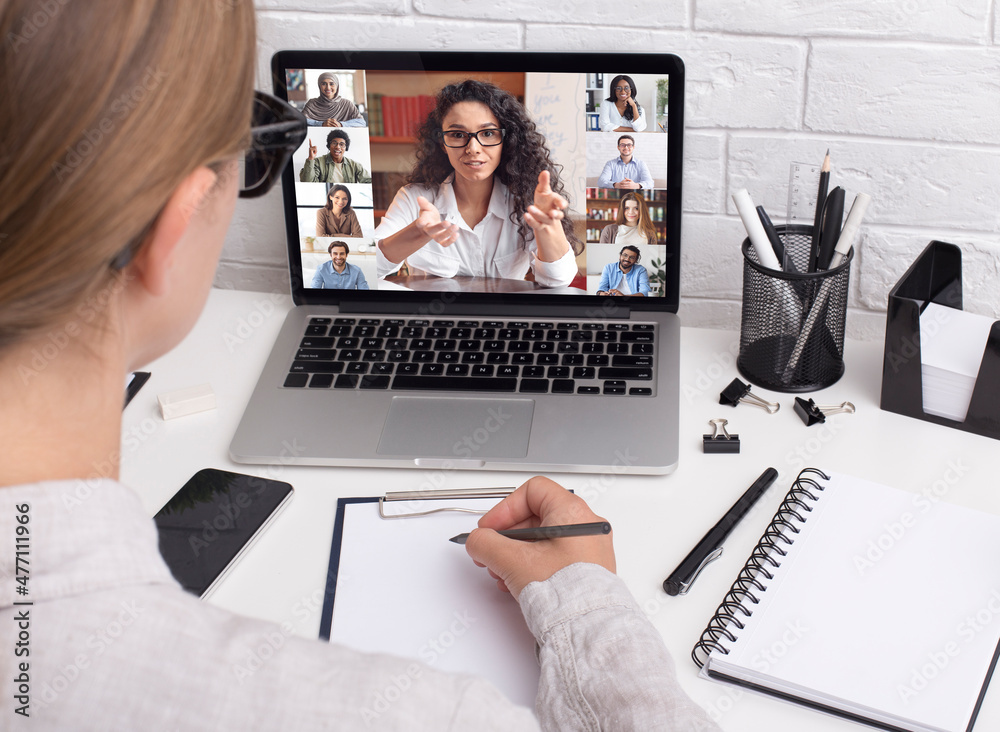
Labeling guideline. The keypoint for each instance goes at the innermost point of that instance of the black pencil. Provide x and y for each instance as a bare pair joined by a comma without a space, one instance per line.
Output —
549,532
824,184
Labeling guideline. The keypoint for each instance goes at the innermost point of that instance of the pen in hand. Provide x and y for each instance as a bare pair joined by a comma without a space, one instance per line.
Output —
549,532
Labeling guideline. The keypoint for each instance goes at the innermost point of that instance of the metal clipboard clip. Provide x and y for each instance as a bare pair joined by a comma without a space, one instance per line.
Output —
455,494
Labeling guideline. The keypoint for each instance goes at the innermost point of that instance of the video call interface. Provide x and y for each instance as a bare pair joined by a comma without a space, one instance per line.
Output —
604,136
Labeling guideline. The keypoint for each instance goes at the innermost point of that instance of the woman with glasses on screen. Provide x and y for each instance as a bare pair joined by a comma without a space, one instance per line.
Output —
484,198
112,640
620,112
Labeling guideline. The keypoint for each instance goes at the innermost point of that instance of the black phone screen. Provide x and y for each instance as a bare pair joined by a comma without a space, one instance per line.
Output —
211,520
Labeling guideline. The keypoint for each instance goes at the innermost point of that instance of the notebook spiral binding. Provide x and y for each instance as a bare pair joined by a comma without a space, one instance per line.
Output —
755,573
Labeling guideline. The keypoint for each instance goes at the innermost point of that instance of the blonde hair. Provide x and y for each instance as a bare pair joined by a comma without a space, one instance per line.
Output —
645,223
107,107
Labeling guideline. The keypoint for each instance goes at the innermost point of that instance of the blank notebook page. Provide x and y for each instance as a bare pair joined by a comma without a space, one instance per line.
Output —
886,601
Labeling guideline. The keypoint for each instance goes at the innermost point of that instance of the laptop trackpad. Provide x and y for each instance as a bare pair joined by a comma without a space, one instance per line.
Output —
457,427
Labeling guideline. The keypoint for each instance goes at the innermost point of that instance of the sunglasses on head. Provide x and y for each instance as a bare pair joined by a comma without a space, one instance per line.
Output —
276,131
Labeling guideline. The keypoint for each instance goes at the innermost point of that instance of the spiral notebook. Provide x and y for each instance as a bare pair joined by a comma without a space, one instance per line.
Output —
868,602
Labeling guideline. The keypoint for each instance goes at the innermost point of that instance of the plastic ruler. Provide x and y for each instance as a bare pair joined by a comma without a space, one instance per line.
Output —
803,183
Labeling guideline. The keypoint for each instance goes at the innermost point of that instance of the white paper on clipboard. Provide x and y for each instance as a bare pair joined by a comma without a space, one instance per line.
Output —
403,589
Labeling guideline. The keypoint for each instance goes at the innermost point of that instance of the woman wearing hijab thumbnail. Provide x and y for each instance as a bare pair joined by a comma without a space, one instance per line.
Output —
337,218
484,198
620,112
633,224
330,109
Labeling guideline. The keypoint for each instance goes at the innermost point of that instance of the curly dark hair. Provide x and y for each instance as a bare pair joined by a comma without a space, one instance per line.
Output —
523,157
627,114
339,134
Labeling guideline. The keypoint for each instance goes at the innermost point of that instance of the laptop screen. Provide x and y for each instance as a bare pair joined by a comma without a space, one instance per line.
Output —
491,175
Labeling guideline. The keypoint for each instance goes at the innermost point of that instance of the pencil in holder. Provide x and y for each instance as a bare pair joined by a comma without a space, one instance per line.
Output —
792,326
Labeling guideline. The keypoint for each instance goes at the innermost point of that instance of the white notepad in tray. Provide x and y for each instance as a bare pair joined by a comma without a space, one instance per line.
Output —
952,343
398,586
885,609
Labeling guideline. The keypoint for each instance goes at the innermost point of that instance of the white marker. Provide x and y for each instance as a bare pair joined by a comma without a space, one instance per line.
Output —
755,230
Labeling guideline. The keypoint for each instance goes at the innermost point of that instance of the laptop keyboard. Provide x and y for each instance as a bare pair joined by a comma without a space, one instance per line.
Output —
529,357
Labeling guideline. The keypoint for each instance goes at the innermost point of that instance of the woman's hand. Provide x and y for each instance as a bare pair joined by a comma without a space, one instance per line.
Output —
545,219
430,224
331,122
539,502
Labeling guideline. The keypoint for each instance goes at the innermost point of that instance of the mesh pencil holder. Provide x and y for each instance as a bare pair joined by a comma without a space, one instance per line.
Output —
792,328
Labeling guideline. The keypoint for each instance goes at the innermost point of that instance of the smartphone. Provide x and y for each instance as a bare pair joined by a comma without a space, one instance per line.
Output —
212,521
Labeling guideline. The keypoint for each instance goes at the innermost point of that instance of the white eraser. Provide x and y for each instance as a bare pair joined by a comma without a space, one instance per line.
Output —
183,402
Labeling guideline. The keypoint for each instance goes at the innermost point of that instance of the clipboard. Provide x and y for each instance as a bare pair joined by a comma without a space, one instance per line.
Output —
396,585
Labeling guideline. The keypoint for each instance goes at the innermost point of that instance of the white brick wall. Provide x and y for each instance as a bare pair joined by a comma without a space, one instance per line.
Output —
905,94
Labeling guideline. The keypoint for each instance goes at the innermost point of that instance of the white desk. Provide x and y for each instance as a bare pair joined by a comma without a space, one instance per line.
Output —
656,519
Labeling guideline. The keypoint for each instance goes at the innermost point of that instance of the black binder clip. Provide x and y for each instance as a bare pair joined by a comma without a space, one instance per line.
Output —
738,392
812,413
716,442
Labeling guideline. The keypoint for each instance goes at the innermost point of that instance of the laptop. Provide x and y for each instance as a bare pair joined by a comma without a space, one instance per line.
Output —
454,337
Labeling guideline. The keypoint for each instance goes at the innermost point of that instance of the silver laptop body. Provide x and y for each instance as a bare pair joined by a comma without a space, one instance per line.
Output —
544,418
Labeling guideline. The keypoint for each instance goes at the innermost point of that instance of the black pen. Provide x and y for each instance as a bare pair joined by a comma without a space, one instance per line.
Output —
833,218
710,547
549,532
776,244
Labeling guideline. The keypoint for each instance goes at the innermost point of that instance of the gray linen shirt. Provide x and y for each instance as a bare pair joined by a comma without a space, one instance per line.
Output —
116,644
